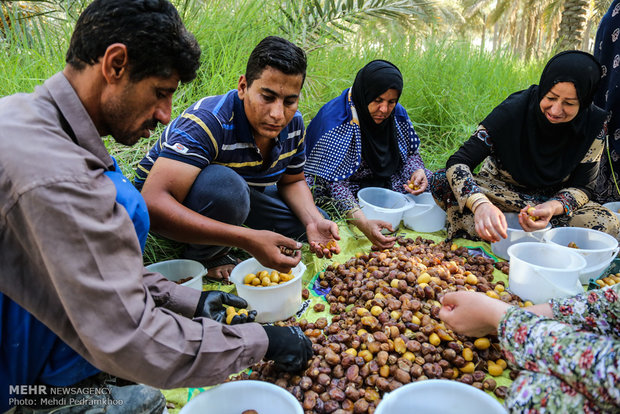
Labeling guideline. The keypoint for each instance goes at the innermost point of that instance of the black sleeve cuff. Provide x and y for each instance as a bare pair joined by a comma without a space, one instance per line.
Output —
201,303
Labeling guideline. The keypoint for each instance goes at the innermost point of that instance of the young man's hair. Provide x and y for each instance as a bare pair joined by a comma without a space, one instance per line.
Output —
158,44
279,54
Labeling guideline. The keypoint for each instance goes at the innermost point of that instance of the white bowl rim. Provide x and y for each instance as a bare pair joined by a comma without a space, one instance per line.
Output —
428,207
544,229
236,384
265,288
583,230
174,261
553,246
439,382
202,273
409,203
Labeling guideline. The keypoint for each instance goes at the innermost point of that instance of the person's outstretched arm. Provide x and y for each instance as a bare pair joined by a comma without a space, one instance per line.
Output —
586,361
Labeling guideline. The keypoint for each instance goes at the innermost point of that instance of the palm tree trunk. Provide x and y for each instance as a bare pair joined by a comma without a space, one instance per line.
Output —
570,34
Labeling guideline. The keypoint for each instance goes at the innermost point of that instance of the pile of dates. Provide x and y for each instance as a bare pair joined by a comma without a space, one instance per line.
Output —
503,267
385,331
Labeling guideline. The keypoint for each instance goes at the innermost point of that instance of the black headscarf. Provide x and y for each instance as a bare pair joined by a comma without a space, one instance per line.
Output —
534,151
379,141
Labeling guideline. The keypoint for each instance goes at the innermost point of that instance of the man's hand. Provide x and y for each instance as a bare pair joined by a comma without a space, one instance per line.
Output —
372,230
490,223
417,183
211,305
322,237
288,347
269,247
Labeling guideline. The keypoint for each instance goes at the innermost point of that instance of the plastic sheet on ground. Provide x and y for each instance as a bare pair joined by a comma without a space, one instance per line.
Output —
352,241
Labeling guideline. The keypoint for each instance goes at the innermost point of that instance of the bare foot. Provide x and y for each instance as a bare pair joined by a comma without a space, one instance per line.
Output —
220,268
220,272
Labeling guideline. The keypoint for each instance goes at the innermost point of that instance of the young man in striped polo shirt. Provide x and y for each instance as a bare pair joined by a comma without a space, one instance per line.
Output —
237,159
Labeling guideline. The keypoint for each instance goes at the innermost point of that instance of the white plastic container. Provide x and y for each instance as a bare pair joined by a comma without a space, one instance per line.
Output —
614,206
438,396
516,234
272,303
541,271
425,216
237,396
383,204
178,269
598,248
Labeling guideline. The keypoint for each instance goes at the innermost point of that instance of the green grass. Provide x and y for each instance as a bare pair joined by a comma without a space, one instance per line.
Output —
448,85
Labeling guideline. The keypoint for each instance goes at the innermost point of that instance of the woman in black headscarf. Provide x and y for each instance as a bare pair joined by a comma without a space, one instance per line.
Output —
364,138
540,150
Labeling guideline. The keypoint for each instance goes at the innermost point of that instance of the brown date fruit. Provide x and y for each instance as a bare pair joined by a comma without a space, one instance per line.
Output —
501,391
489,384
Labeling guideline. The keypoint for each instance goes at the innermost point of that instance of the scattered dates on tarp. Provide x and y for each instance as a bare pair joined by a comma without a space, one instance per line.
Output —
385,331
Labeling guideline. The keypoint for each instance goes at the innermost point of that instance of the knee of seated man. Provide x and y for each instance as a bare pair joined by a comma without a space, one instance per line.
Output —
220,193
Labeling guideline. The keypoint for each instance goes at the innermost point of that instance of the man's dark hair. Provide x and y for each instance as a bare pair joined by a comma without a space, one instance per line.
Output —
278,53
158,44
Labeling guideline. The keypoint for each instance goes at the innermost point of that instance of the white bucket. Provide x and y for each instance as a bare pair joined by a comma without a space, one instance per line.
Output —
540,272
425,216
178,269
272,303
598,248
383,204
614,207
516,234
237,396
438,396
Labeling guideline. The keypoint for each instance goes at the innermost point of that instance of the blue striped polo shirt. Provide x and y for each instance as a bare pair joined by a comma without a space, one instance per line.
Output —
216,130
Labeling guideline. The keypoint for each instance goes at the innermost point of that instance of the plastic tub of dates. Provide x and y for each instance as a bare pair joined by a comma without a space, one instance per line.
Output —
274,299
182,271
439,396
244,397
598,248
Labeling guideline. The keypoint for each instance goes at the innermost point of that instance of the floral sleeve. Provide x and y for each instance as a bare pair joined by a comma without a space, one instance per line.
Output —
597,311
460,165
585,360
343,196
462,182
338,192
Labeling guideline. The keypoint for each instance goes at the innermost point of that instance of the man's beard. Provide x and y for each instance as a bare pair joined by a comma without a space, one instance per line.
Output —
117,111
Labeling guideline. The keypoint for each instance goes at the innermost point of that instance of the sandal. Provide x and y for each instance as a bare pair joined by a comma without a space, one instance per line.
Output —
223,260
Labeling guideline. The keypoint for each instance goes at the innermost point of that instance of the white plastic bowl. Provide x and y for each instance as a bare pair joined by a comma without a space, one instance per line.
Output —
540,271
614,206
516,234
237,396
383,204
598,248
272,303
438,396
178,269
425,216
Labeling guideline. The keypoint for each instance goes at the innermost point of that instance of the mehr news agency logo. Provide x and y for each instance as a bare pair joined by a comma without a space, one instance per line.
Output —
29,395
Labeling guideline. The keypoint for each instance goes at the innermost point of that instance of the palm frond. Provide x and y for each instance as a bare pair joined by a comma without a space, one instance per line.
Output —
311,22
